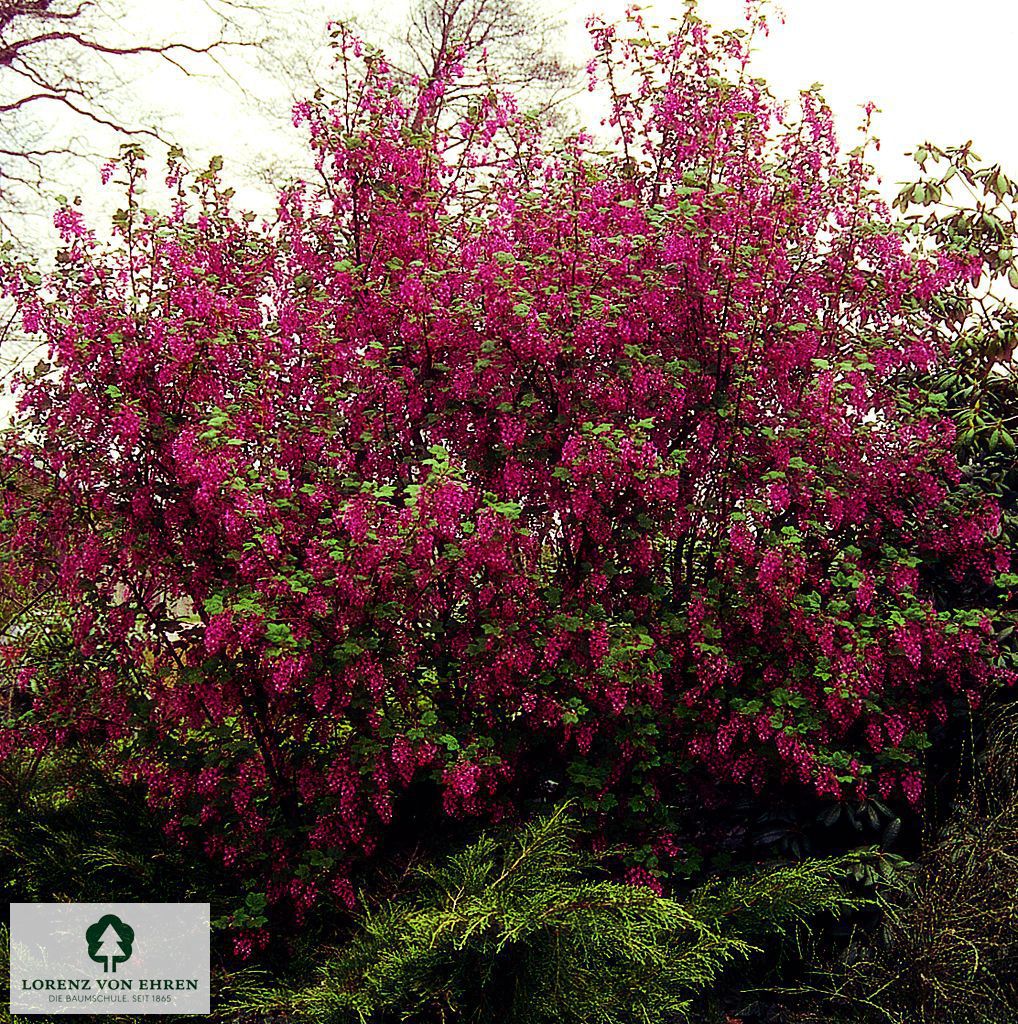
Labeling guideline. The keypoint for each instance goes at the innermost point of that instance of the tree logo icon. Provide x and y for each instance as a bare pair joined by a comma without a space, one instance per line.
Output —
110,942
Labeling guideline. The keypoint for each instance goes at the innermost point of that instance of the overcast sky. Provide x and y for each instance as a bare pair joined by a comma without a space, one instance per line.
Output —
935,73
936,69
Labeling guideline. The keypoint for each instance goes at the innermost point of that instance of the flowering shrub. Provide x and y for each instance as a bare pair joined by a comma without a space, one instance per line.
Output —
495,464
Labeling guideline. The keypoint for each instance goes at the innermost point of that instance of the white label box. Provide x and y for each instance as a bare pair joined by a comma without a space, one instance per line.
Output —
113,958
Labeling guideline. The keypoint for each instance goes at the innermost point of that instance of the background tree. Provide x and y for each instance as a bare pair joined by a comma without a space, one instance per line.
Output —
64,68
514,41
494,45
962,205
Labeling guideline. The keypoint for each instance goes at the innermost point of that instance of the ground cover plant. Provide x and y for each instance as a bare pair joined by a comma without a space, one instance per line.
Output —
499,471
520,928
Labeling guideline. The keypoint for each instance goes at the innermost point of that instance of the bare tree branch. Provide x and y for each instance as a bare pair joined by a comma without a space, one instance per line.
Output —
74,54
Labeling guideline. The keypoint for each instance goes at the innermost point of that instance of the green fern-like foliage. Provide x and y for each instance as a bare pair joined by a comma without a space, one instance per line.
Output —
522,930
74,835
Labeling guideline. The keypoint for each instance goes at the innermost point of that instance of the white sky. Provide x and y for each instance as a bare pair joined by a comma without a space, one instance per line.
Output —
936,69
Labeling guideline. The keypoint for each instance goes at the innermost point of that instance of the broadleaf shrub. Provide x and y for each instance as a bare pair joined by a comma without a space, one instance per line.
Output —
487,471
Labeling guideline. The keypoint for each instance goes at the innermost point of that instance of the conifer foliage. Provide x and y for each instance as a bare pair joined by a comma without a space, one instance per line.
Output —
521,930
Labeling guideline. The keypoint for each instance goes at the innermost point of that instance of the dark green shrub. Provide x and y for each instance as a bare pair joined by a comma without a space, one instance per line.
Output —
523,930
946,951
93,840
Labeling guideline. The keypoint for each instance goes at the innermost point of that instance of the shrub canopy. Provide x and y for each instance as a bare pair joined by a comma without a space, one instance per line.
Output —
493,464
